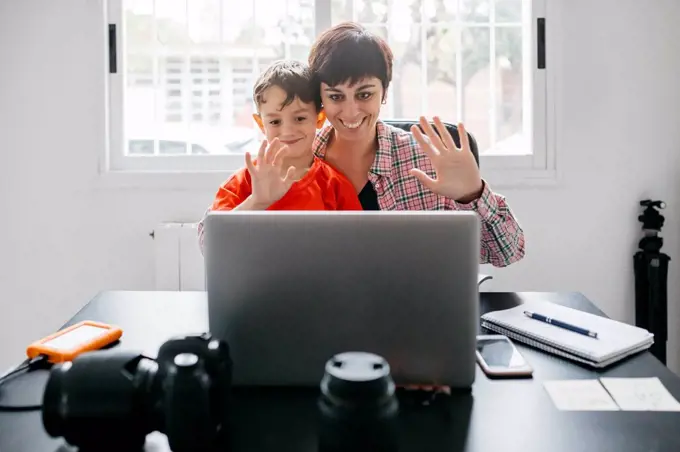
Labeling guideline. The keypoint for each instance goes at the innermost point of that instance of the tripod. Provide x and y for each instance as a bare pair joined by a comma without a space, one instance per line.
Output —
651,275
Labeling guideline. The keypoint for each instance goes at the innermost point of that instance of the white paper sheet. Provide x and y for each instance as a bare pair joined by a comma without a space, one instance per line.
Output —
580,395
640,394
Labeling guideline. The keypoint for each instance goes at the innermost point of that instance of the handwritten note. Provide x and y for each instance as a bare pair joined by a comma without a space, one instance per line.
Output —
580,395
640,394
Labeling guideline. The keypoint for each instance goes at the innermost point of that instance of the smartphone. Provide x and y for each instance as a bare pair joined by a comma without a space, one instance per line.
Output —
498,357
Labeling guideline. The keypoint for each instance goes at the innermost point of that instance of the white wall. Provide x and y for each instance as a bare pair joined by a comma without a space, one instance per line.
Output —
62,240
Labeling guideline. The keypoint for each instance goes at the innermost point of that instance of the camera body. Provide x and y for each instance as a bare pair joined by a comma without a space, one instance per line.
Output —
112,399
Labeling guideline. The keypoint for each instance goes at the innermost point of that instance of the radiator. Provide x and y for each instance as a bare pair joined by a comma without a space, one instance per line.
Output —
179,262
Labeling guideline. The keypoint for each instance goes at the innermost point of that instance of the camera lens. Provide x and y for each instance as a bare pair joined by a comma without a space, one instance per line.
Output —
100,395
358,405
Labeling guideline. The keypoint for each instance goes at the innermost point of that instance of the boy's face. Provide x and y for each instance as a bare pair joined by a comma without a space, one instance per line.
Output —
294,125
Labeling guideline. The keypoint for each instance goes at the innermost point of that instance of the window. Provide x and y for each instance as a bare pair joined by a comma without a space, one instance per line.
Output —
181,96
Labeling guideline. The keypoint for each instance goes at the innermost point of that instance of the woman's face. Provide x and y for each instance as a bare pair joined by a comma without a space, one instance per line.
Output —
353,110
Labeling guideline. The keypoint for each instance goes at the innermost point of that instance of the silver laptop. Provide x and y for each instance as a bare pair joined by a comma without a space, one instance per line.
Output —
288,290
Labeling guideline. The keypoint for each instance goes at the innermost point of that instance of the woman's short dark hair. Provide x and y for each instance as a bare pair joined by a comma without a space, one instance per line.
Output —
349,52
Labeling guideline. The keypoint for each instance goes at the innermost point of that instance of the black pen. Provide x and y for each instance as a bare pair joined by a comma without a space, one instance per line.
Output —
566,326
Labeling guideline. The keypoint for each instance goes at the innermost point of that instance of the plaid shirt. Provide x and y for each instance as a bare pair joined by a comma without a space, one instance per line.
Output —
502,238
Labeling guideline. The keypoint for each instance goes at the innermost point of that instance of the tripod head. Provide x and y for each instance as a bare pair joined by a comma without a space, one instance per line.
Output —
652,222
651,218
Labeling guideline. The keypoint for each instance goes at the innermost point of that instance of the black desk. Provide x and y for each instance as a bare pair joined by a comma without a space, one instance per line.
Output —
511,415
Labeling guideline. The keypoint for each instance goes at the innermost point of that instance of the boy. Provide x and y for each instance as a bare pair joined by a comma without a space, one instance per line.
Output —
286,174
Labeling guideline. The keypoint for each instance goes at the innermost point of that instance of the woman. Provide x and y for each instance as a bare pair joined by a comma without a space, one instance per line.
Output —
392,169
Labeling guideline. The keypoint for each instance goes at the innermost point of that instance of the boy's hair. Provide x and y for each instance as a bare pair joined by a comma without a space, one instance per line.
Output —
294,77
349,52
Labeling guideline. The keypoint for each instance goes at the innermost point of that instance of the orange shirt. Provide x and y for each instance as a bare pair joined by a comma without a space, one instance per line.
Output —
322,188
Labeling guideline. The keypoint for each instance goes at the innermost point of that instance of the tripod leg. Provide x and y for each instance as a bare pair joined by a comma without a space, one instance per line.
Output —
651,270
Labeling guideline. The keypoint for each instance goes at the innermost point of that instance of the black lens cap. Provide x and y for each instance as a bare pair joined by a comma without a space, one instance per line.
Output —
357,379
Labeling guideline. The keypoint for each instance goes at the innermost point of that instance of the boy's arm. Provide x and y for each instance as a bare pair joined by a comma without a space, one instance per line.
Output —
234,194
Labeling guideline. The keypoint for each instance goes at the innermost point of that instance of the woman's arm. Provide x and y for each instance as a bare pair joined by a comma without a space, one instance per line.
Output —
201,230
457,178
502,237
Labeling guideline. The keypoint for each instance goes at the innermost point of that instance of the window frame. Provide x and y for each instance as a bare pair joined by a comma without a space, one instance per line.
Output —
535,168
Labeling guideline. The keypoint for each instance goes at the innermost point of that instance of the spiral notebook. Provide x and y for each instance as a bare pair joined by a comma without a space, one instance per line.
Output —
615,340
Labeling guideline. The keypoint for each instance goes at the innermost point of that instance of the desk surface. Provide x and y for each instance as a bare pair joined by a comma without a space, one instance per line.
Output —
508,415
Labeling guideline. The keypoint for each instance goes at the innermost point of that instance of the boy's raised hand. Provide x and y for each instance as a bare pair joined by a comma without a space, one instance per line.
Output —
268,183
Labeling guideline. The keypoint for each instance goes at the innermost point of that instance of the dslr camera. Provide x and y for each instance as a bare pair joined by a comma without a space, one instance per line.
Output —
112,399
